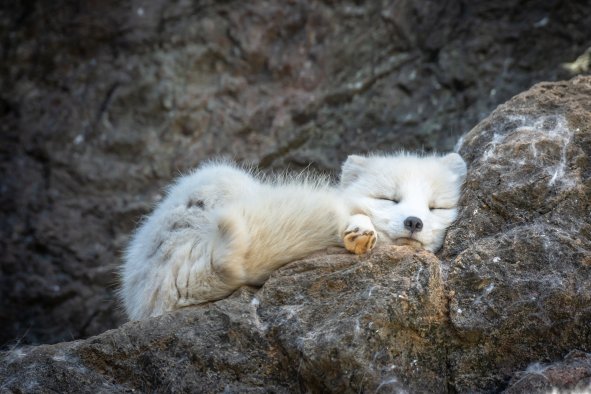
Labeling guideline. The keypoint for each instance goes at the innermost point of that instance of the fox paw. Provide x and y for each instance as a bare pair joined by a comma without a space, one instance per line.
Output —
358,238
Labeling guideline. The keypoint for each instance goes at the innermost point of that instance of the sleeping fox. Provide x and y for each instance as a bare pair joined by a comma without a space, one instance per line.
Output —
221,227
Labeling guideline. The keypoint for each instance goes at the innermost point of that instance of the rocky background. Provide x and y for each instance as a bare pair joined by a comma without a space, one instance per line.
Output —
103,103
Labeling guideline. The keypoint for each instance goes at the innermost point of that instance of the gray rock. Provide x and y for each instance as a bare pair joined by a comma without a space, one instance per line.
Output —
504,306
573,373
520,254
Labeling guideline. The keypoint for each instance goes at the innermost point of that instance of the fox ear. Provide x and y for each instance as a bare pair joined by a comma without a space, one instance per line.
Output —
352,169
456,164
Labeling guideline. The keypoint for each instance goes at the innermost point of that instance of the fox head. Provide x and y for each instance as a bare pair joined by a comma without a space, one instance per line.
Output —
410,199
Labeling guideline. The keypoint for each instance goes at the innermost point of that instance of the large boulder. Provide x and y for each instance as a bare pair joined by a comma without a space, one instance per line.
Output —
520,255
505,305
102,103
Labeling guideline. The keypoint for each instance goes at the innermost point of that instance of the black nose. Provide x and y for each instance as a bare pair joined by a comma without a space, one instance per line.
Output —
413,224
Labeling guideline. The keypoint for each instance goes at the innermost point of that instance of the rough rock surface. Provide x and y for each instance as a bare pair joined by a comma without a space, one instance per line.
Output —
506,305
331,323
102,103
520,256
571,374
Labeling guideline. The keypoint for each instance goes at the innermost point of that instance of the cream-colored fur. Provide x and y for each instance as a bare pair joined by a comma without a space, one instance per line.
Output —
221,227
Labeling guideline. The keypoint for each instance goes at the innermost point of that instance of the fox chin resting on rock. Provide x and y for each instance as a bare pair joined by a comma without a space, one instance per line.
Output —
222,227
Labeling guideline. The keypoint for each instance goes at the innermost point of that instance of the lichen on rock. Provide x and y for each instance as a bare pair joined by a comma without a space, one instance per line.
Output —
517,255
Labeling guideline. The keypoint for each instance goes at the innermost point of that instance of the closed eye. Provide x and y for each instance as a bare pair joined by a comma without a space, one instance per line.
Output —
394,200
438,208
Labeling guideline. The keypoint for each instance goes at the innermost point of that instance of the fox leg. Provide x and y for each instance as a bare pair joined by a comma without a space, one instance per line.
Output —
360,236
230,248
222,267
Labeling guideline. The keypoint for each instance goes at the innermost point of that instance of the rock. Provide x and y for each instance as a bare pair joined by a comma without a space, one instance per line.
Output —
519,257
333,323
103,103
573,374
504,306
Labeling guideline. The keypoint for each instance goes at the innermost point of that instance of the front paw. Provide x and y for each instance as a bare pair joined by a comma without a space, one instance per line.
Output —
359,240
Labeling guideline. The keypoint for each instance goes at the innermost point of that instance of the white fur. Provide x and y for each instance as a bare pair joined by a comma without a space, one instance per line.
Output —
424,187
221,227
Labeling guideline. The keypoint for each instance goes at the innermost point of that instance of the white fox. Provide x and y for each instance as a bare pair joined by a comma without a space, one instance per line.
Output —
222,227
